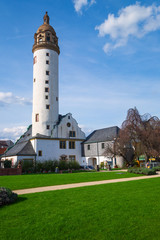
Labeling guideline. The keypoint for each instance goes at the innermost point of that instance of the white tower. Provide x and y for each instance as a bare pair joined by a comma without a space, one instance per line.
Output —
45,79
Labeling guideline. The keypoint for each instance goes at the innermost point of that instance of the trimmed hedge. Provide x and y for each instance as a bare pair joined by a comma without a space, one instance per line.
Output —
145,171
7,196
49,166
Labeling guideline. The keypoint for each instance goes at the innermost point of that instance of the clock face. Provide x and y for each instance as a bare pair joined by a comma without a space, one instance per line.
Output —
68,124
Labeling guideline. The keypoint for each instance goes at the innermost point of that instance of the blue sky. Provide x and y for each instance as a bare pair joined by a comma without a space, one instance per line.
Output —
109,60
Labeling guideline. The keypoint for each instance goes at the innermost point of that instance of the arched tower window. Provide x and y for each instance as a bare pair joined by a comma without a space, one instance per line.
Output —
48,38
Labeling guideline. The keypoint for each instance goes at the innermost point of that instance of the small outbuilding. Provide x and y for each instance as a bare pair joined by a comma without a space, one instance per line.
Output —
94,148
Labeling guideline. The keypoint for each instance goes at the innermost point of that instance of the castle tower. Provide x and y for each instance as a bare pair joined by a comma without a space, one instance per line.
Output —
45,79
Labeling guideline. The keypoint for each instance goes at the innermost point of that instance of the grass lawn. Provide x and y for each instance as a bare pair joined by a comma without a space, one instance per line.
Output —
116,211
40,180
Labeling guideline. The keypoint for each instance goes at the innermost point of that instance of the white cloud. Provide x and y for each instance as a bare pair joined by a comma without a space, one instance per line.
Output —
134,20
10,98
87,130
12,133
79,4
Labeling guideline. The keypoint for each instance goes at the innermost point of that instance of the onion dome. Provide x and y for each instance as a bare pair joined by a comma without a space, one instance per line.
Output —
45,37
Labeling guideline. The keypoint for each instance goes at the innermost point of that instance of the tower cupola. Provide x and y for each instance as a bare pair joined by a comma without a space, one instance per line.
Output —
45,37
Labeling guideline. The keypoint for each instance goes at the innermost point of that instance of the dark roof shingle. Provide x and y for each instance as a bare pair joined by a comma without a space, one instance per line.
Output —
23,146
102,135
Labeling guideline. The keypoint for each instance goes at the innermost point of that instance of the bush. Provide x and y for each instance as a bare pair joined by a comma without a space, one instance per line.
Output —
156,168
148,171
7,196
73,165
39,167
145,171
102,165
63,165
27,166
49,166
7,164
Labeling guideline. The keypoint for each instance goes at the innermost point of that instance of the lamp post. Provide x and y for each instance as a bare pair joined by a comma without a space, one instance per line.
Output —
98,157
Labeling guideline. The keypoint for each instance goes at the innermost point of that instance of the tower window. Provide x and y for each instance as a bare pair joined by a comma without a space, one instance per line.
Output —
102,145
46,97
37,117
48,38
40,153
47,62
34,59
48,127
34,79
46,89
46,82
57,99
47,54
40,40
72,133
47,106
71,145
62,144
88,147
47,72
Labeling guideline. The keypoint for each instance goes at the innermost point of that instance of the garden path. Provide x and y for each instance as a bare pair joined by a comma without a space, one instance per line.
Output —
83,184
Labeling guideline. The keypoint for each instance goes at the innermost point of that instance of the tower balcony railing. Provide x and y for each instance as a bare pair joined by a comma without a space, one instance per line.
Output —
46,44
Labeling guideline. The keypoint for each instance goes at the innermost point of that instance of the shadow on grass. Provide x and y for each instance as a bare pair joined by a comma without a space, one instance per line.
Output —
19,199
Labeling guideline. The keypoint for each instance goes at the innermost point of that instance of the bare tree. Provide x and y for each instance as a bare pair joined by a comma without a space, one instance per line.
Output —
138,135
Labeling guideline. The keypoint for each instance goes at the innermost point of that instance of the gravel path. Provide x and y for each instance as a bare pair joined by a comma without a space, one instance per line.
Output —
76,185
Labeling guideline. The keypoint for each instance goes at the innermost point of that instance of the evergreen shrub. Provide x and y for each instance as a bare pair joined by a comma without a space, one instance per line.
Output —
7,196
7,164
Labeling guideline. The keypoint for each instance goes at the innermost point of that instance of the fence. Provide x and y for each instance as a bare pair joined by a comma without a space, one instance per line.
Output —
10,171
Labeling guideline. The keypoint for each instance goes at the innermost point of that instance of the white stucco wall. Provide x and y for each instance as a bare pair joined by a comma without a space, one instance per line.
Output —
51,147
97,152
62,129
96,148
51,150
46,116
112,161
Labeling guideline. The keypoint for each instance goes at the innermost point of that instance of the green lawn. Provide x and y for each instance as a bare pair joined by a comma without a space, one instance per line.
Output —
116,211
40,180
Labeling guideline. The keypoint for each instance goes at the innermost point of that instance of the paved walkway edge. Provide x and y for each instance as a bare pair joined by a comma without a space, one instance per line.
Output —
83,184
